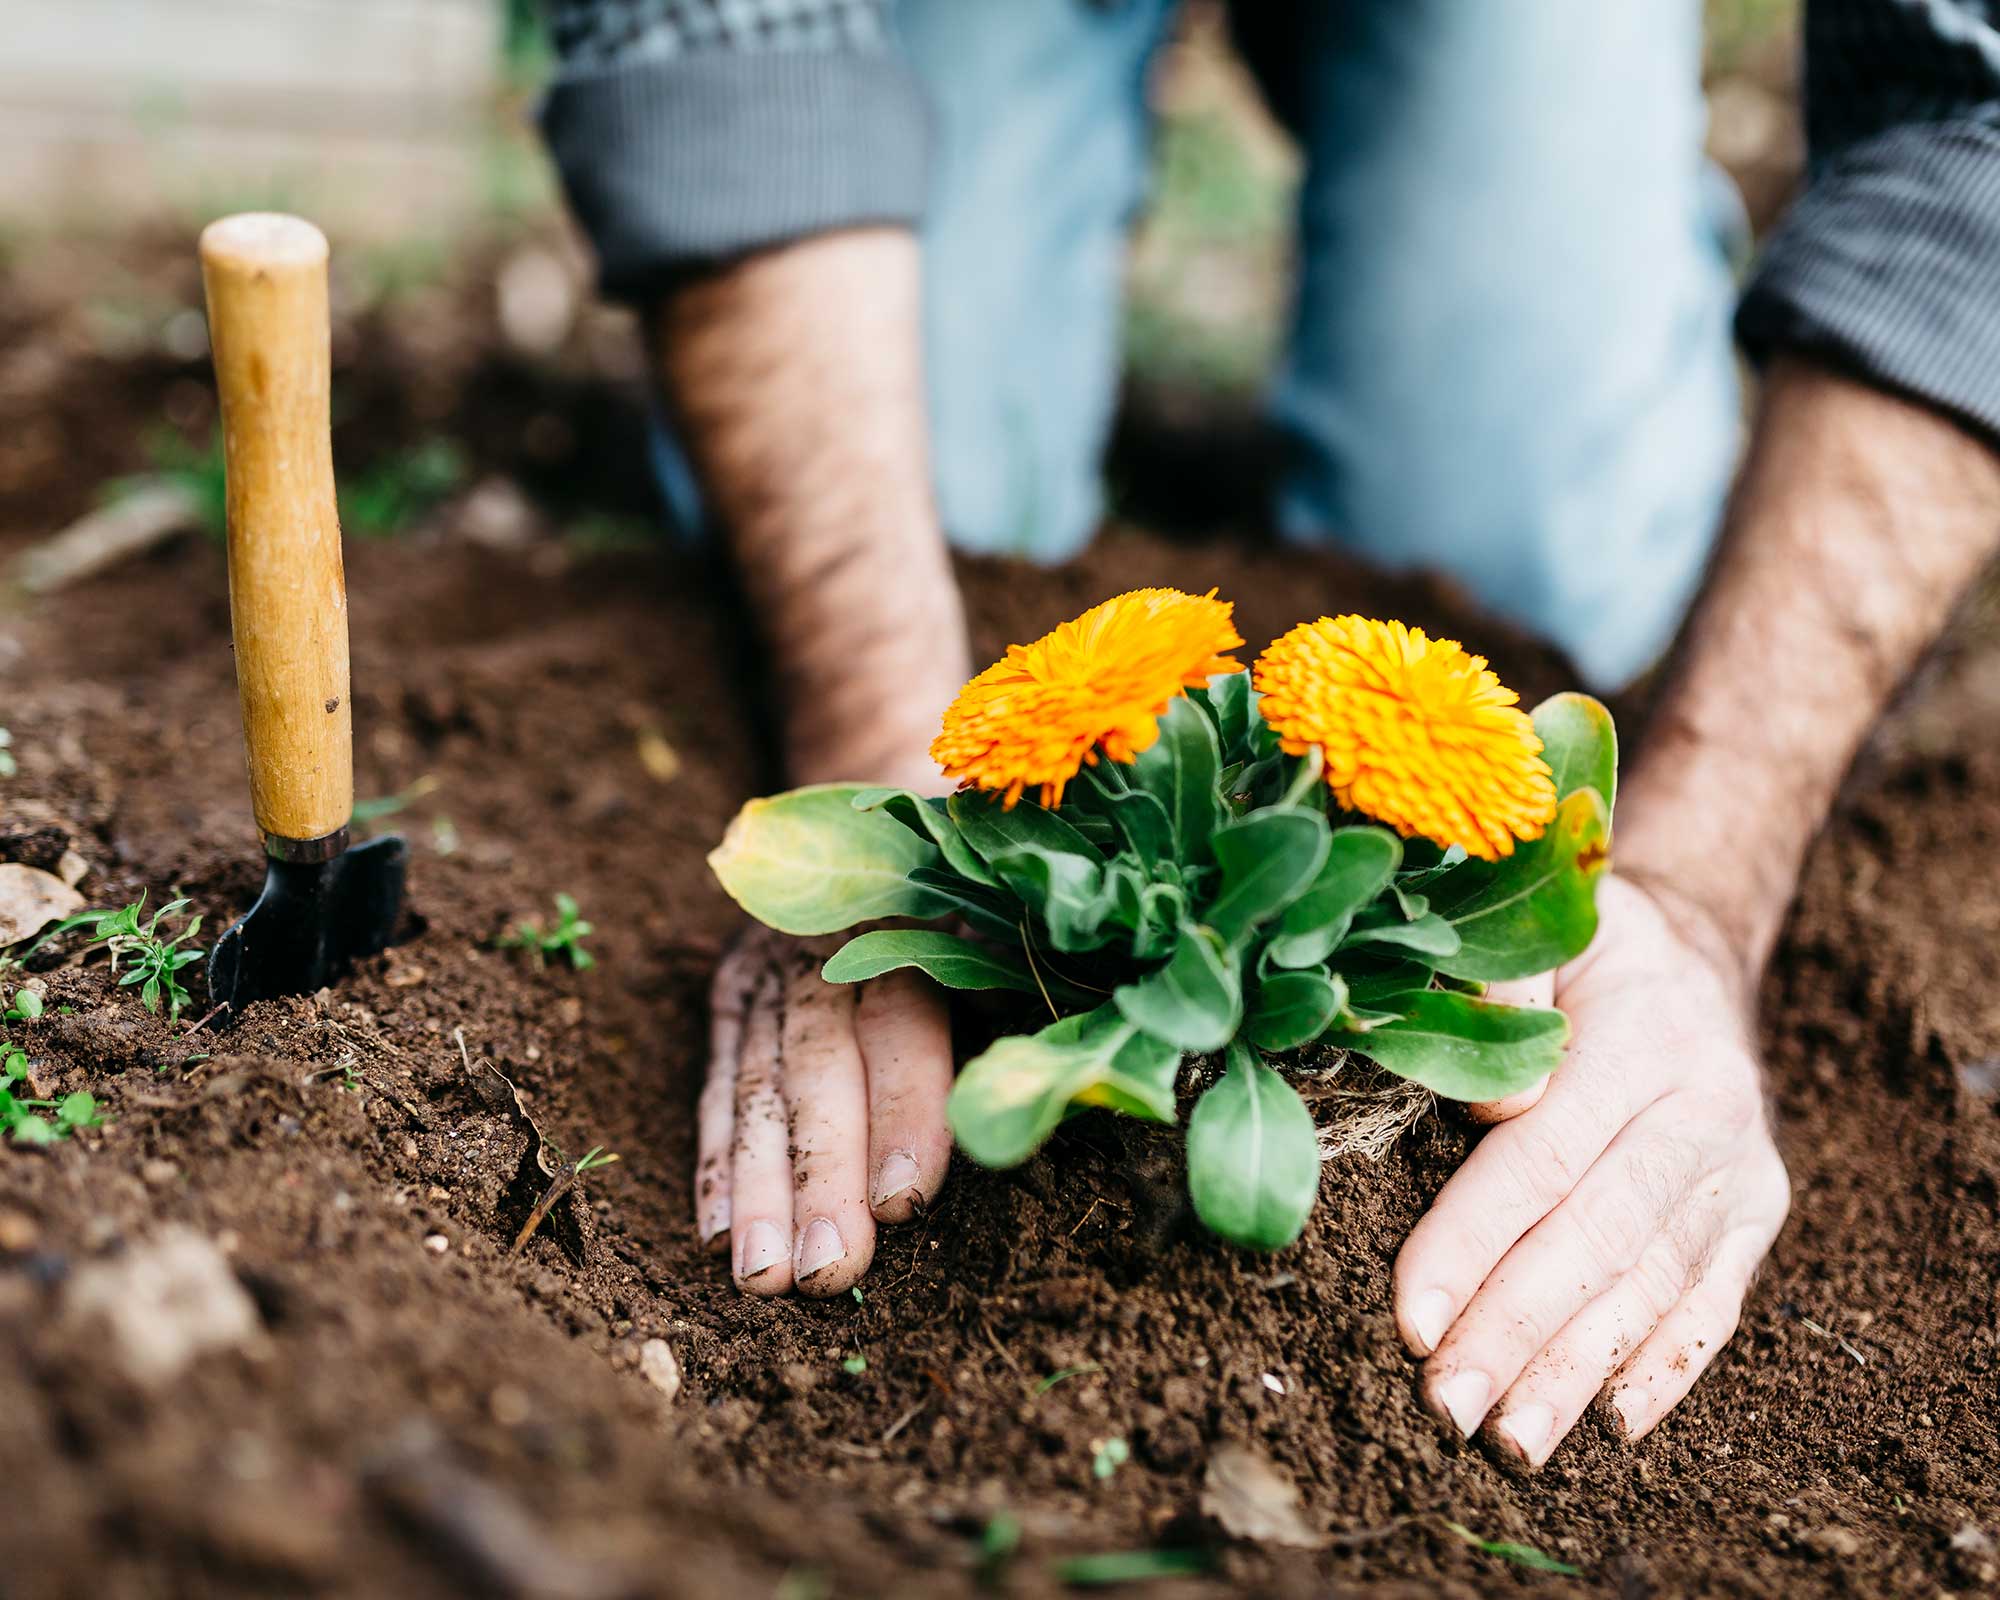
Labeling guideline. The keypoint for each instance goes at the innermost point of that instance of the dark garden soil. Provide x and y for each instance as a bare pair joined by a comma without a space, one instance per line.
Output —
410,1410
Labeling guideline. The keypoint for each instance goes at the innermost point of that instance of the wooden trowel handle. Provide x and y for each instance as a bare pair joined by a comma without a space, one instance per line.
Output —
267,323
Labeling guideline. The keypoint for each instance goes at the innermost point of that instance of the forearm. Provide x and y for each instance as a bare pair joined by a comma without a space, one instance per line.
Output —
796,384
1858,522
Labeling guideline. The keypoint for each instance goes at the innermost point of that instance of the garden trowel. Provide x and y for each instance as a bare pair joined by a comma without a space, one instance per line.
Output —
323,903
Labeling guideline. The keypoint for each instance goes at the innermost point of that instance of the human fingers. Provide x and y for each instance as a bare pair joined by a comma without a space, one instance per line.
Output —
905,1036
760,1166
1635,1194
1539,991
1516,1175
1558,1385
826,1091
715,1113
1692,1334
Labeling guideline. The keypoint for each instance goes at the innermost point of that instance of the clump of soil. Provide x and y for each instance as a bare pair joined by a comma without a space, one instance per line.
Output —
405,1408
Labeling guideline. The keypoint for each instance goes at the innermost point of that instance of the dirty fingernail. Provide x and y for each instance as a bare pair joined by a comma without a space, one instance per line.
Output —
899,1172
1430,1315
1625,1404
716,1223
1465,1396
1527,1429
763,1247
819,1248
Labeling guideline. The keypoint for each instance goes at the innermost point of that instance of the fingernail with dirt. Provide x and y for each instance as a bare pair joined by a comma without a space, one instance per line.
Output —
898,1175
762,1249
715,1225
1464,1397
1624,1403
1526,1429
819,1248
1430,1316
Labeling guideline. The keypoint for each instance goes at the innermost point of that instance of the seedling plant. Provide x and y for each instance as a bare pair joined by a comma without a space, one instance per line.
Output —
154,960
564,940
1186,864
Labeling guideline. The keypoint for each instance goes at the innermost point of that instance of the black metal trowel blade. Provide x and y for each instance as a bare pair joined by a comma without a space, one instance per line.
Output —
311,921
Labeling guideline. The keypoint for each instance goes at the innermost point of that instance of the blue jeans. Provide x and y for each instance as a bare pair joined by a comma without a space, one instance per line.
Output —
1509,356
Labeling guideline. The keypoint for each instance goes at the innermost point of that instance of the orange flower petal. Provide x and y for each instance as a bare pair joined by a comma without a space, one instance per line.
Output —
1035,717
1414,732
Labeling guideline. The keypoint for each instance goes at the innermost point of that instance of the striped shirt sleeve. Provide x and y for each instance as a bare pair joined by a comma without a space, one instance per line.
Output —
1888,264
691,132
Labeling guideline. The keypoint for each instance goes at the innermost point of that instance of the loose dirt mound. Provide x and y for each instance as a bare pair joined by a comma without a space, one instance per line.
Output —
410,1411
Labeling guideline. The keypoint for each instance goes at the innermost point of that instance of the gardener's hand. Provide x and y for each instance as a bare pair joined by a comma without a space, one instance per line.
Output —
1604,1237
823,1113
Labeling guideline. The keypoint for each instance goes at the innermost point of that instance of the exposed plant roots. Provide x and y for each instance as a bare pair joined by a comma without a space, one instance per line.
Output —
1361,1110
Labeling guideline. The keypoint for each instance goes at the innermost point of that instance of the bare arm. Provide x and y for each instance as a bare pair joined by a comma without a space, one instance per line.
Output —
1603,1238
797,385
1859,521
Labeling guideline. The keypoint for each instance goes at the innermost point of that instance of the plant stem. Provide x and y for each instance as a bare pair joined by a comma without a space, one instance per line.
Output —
1311,765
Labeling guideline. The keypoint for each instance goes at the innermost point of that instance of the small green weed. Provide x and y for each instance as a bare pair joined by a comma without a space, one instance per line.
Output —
155,961
999,1543
565,939
1522,1555
854,1365
1132,1566
385,499
196,471
26,1006
8,765
22,1119
1107,1456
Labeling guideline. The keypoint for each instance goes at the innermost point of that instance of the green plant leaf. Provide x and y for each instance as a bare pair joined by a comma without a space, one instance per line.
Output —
1132,1566
1375,985
1429,935
954,962
1195,1001
77,1110
1360,863
1580,744
35,1129
1231,704
996,912
1295,1008
1069,892
929,818
1522,1555
1180,769
1533,910
992,829
1253,1156
1268,860
1142,822
808,862
1010,1097
1463,1048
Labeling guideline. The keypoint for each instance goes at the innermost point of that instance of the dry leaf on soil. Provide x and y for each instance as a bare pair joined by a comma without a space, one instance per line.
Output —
1252,1498
30,899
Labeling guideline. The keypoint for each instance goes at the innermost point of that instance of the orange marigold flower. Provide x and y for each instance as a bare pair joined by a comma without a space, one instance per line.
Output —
1100,682
1415,732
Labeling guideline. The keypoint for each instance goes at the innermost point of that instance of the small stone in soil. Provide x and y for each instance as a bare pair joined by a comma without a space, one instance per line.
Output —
659,1368
164,1304
436,1243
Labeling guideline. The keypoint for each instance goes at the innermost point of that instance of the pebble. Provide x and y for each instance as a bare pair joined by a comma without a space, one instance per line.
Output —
157,1172
436,1243
18,1233
659,1368
165,1304
1842,1544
